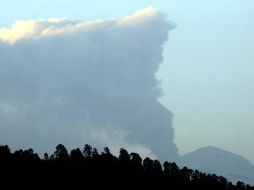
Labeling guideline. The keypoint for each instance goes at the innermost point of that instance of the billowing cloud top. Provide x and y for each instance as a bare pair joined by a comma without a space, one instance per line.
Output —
76,82
42,28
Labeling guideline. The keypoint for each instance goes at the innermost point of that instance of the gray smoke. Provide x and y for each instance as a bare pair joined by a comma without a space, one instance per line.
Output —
77,82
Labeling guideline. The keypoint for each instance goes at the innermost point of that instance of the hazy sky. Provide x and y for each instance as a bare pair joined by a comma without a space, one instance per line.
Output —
208,71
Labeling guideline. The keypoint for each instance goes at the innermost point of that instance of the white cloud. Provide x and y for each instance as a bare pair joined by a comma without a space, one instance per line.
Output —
140,17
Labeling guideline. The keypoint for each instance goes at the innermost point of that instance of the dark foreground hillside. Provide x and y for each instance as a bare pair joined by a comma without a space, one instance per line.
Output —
87,169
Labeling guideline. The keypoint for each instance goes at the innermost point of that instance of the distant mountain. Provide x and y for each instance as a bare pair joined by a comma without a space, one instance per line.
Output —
214,160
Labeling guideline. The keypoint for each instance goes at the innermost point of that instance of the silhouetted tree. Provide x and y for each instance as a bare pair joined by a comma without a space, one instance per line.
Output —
136,161
167,168
18,155
240,186
124,156
170,168
5,153
148,165
186,174
61,153
106,170
52,157
174,167
87,151
106,151
107,158
76,155
95,153
46,156
29,155
157,168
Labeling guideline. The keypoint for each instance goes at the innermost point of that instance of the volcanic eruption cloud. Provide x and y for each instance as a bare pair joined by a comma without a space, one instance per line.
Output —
78,82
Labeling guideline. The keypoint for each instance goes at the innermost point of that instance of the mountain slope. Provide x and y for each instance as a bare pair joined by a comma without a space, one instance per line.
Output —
214,160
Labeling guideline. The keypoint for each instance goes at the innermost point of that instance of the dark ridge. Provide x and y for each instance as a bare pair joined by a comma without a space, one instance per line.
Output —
87,168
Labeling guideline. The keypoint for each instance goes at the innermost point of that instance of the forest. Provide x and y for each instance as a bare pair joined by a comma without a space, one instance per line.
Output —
87,168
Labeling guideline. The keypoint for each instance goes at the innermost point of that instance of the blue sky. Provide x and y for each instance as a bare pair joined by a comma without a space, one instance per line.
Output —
207,74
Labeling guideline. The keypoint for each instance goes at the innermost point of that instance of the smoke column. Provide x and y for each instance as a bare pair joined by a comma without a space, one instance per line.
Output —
77,82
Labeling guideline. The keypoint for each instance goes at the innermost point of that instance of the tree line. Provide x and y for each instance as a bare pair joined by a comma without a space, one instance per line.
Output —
88,168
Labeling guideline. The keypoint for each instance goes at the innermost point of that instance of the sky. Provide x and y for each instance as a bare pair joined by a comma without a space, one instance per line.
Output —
207,72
